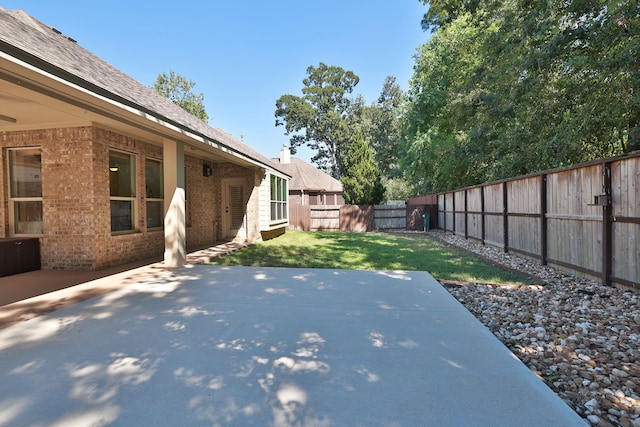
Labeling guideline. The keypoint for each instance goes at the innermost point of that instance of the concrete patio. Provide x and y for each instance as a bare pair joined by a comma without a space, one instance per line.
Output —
241,346
28,295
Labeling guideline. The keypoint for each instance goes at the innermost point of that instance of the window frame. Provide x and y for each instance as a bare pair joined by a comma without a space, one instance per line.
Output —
278,200
154,199
133,162
12,201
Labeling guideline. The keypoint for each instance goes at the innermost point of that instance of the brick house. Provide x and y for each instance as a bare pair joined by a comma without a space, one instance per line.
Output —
309,185
103,171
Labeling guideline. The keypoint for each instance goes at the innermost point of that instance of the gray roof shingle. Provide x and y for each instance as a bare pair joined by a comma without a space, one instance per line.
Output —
25,37
308,178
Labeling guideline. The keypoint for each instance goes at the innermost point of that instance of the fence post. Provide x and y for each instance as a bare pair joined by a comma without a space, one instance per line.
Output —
466,215
453,201
444,209
505,217
543,219
482,232
607,227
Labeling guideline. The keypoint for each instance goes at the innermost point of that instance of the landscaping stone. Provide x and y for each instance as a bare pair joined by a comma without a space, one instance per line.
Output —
581,338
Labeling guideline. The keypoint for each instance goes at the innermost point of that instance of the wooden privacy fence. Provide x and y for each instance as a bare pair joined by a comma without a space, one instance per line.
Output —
347,218
314,217
584,219
389,217
299,217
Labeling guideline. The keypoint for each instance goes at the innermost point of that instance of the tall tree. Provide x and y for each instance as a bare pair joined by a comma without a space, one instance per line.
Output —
318,118
179,90
361,180
505,88
379,125
436,154
384,131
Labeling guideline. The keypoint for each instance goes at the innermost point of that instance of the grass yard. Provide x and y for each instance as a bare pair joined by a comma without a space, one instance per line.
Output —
371,251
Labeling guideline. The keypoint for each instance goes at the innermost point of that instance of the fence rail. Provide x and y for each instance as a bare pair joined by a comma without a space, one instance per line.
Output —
584,219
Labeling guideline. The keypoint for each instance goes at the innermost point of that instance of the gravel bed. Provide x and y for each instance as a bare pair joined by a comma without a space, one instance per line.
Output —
581,338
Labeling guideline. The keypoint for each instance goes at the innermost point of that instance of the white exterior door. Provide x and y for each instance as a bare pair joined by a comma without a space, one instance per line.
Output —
233,218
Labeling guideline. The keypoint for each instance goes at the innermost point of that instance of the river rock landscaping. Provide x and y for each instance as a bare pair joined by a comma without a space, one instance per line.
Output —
579,337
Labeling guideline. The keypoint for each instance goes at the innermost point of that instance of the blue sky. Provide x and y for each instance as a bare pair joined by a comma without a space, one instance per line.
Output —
243,55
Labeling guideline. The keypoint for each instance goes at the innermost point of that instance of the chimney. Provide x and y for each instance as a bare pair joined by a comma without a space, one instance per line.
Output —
285,155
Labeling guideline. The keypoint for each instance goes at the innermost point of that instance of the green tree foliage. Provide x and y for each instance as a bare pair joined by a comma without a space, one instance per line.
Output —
505,88
398,189
319,118
379,124
361,180
384,133
333,124
178,90
442,12
436,151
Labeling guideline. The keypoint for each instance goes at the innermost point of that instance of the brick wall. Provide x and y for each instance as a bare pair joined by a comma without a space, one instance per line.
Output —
123,248
68,197
203,206
75,198
254,178
229,170
76,201
205,201
67,194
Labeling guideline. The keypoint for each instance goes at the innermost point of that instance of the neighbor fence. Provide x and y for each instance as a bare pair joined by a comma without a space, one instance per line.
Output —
584,219
354,217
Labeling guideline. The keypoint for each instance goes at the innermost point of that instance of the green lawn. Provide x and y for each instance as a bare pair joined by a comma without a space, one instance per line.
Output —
371,251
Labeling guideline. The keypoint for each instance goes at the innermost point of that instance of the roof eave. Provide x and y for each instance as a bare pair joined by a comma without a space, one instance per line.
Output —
95,98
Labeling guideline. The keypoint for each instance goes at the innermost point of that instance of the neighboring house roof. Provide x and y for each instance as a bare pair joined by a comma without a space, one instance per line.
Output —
306,177
29,40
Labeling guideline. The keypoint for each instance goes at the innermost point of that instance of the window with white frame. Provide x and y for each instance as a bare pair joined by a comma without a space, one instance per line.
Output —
122,185
25,191
278,199
155,193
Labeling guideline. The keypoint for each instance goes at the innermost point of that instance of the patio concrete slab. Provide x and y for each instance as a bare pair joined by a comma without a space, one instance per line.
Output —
241,346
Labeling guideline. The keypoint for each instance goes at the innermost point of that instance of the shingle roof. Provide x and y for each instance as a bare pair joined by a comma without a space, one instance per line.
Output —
308,178
48,49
